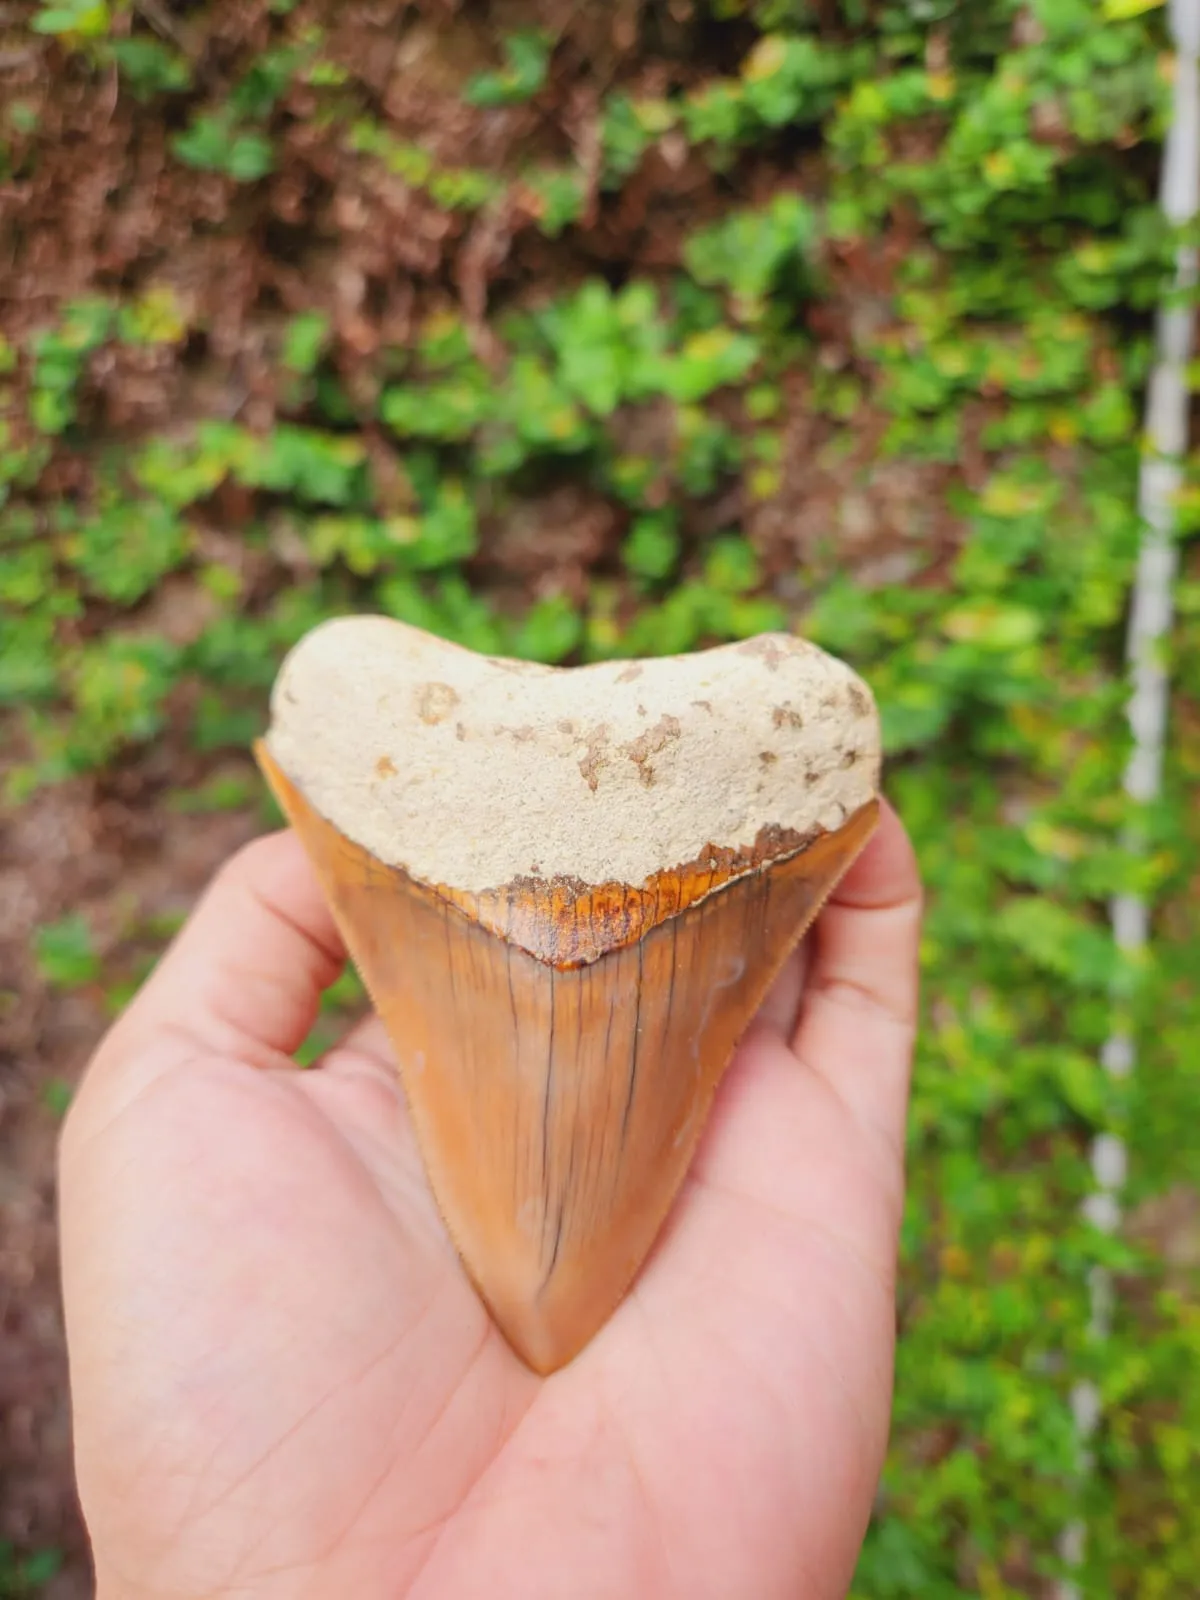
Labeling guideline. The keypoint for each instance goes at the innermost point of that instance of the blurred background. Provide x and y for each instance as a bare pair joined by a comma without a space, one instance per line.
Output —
573,330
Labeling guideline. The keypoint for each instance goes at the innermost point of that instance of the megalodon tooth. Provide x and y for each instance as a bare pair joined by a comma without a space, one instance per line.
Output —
567,891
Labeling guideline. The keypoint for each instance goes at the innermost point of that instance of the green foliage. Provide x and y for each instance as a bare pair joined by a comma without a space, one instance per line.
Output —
233,137
84,19
155,317
123,550
551,631
60,358
24,1576
304,341
118,688
790,79
66,955
455,188
627,130
56,1097
748,252
527,63
215,143
652,548
608,347
148,67
559,195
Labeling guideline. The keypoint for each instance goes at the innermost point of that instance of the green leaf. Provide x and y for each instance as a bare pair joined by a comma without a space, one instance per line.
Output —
304,341
26,577
624,139
213,143
149,67
89,19
125,549
560,193
732,566
748,250
651,550
992,625
550,631
447,531
528,61
204,144
155,317
1060,941
251,156
316,466
66,956
51,411
29,661
451,410
118,687
709,361
57,1095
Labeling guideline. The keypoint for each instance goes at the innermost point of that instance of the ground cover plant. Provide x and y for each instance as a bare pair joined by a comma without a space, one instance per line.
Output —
579,331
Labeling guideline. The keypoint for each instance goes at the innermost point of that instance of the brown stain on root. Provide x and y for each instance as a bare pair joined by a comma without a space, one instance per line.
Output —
558,1106
595,756
435,702
767,648
651,743
859,703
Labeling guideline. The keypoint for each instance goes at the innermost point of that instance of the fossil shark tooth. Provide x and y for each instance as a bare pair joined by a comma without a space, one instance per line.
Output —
567,892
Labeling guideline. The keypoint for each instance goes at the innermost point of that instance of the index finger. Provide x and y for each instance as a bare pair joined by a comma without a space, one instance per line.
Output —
244,975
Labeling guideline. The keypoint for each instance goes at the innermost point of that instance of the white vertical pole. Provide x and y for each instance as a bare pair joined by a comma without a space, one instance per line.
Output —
1159,483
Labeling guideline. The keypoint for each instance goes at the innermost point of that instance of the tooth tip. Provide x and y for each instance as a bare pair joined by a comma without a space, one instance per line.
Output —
543,1342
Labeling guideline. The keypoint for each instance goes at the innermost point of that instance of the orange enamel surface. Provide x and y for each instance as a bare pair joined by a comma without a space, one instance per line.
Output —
558,1107
570,924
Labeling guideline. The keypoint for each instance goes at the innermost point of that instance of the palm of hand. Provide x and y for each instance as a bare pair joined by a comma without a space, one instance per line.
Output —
285,1386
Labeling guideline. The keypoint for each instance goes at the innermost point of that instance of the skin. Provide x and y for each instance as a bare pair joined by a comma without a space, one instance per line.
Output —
284,1386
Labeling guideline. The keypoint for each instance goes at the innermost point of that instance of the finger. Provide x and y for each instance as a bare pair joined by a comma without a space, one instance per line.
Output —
781,1008
363,1049
245,974
858,1017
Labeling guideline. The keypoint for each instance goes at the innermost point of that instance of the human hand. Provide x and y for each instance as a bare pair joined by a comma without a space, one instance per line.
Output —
284,1385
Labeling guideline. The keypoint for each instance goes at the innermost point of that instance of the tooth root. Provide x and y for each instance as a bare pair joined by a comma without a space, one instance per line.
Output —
558,1108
